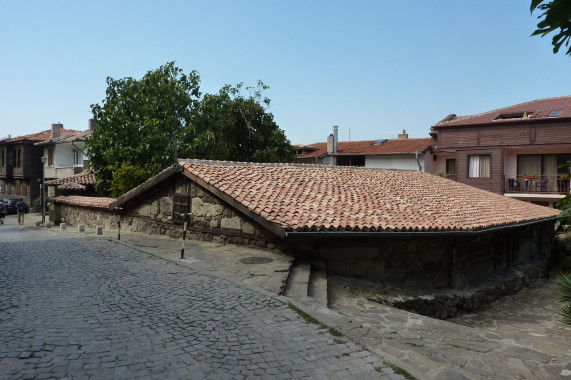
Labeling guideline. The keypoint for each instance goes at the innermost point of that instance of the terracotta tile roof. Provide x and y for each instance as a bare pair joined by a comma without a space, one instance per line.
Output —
320,198
91,202
536,110
37,137
67,137
394,146
84,178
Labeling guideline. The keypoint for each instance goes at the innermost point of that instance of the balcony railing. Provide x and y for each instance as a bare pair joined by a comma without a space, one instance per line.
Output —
547,184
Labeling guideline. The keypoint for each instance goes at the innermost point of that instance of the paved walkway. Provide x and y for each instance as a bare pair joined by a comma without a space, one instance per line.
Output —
521,337
81,306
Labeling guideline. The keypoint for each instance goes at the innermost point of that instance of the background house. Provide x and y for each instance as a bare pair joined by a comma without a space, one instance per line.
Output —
518,151
65,151
402,153
21,165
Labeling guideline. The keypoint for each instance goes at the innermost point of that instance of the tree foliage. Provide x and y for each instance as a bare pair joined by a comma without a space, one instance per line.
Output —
232,126
140,122
556,17
144,125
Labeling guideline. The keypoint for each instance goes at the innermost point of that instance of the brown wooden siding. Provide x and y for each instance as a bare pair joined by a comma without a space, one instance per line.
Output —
504,136
553,134
493,183
456,138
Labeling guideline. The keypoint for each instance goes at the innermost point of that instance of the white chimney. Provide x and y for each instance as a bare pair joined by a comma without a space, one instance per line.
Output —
330,143
56,130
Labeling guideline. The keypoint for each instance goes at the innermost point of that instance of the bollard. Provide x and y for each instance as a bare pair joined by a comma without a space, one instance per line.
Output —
81,228
48,225
99,230
62,226
186,217
119,209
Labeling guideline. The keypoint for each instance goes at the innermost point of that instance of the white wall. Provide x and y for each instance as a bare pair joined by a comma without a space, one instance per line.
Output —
406,162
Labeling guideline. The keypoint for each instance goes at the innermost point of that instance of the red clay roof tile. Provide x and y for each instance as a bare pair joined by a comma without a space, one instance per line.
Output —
395,146
536,110
91,202
317,198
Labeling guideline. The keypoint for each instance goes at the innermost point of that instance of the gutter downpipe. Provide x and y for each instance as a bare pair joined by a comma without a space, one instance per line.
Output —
418,162
341,234
78,148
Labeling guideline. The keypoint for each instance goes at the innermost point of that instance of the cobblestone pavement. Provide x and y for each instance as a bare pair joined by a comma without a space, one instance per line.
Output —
86,307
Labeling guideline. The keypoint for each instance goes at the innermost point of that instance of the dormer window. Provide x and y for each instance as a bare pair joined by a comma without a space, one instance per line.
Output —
515,115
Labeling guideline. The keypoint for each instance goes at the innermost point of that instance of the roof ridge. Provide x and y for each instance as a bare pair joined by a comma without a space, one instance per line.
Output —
467,117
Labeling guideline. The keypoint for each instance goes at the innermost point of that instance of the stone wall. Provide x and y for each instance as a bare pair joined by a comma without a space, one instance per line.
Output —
90,217
152,212
424,262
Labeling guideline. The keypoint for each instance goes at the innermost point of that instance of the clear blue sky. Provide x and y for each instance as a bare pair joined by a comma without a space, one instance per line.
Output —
371,67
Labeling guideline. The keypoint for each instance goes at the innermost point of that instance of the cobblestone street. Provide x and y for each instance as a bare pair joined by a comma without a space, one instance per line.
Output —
85,307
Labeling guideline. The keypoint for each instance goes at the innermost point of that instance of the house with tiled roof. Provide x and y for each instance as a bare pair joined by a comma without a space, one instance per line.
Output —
65,151
402,153
519,151
78,184
406,227
21,164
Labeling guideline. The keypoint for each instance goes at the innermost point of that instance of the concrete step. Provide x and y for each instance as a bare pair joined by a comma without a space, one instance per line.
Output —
318,286
298,281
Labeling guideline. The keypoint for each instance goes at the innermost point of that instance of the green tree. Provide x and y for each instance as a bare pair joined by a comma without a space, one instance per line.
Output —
142,123
233,126
556,16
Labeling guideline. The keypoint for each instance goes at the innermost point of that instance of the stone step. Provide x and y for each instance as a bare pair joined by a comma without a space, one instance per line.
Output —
298,280
318,286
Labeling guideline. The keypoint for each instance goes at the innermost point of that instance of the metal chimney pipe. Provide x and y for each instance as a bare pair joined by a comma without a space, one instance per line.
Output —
335,138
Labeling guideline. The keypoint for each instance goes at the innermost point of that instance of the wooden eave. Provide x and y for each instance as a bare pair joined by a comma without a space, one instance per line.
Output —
144,187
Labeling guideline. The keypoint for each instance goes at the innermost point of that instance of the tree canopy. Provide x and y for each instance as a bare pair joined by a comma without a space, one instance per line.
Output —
556,17
142,126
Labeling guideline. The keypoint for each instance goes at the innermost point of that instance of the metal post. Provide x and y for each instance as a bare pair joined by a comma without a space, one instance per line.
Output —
187,220
42,190
119,209
185,216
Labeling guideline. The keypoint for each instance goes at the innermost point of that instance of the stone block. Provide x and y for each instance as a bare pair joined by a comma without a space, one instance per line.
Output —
81,228
145,210
38,224
230,223
154,208
200,208
99,230
62,226
48,225
248,228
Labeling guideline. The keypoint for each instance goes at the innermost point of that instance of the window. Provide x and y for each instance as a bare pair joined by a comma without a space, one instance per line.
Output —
77,156
515,115
181,205
51,157
451,166
18,160
350,160
554,113
479,166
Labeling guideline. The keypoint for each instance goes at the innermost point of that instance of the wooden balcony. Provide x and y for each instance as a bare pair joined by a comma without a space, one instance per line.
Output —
544,184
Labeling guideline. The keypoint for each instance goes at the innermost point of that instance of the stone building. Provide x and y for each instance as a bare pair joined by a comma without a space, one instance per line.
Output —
404,227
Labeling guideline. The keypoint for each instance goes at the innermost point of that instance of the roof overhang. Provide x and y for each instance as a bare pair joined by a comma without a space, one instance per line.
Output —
396,234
